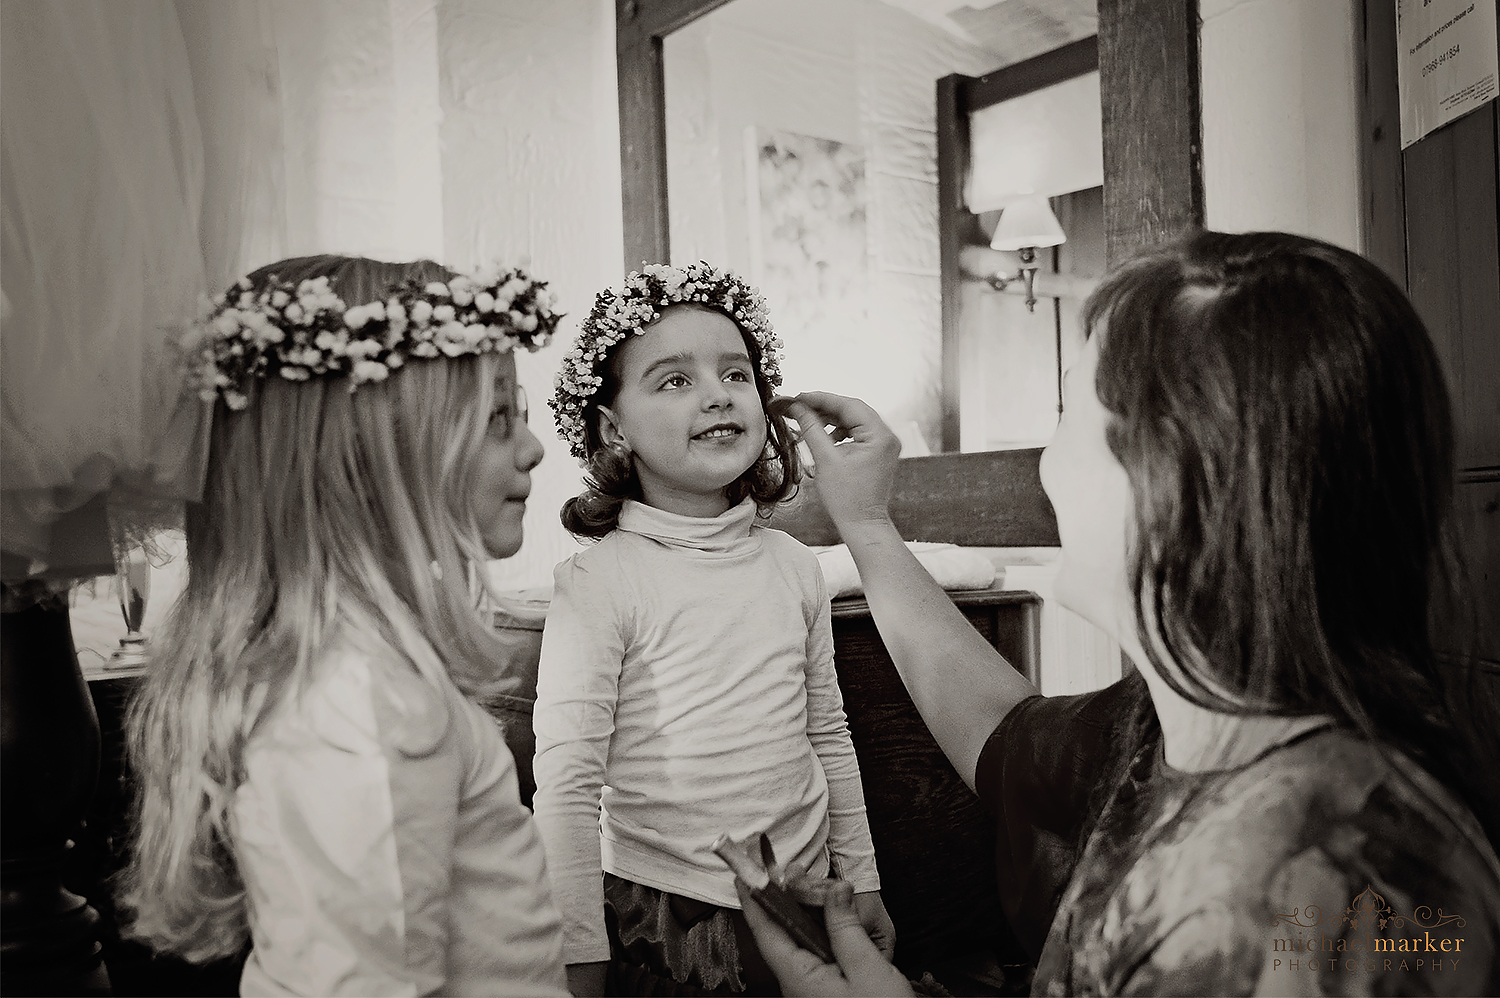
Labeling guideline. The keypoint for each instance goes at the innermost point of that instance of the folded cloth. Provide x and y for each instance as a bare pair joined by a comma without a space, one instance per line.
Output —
953,567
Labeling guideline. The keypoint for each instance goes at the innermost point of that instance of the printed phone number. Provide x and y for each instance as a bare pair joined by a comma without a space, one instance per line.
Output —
1439,59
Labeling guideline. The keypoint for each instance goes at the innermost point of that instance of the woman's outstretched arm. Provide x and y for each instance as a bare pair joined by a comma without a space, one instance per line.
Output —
961,685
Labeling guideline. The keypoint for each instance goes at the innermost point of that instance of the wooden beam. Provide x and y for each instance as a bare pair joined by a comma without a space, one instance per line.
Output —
640,26
638,19
1153,150
954,223
1073,59
986,499
1382,178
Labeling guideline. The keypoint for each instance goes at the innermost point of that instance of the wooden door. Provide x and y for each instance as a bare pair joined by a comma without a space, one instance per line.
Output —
1431,221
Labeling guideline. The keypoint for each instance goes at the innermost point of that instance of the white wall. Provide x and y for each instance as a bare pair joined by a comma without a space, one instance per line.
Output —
856,72
1281,117
531,167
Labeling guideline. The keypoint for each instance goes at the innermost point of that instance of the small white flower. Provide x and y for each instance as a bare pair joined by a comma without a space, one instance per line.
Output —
235,400
375,310
437,289
228,323
295,373
421,312
280,298
356,317
369,370
443,313
485,302
294,311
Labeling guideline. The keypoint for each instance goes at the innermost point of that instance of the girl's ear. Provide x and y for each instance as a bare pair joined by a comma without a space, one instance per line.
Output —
610,433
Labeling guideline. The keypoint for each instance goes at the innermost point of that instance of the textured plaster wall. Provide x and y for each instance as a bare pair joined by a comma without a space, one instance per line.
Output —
856,72
1280,117
530,141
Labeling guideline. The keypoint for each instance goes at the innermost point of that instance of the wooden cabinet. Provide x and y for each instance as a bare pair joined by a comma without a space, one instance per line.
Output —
934,841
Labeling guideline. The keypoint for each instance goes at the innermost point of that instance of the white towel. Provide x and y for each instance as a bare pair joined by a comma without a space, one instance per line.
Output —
953,567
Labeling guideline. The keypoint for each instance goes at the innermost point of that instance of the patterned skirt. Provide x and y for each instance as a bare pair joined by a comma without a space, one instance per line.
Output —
666,944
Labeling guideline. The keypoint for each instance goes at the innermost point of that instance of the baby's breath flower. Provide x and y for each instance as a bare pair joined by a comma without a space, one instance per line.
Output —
298,332
617,314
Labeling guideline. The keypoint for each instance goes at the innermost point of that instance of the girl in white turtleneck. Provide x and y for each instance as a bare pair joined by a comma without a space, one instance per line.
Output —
687,684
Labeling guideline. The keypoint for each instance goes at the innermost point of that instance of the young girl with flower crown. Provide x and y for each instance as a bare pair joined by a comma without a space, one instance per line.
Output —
310,772
686,684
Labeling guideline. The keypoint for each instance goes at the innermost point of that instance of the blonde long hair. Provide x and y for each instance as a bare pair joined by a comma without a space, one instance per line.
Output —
324,512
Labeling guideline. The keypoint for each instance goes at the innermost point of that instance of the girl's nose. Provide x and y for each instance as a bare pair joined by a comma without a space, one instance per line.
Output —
529,449
716,396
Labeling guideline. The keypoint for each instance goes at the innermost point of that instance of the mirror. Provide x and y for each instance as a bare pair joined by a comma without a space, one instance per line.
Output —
801,145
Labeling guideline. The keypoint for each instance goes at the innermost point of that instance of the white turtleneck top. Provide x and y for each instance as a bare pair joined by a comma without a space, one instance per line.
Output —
687,679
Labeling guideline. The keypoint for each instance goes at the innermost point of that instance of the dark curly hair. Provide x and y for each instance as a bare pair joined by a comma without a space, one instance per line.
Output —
610,477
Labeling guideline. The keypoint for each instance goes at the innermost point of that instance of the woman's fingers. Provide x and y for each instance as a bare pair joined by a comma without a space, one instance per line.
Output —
866,969
799,971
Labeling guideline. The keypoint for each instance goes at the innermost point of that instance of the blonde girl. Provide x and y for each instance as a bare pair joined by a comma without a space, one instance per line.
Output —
311,775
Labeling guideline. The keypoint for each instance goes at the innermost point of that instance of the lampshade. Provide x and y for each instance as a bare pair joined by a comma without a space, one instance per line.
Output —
1028,222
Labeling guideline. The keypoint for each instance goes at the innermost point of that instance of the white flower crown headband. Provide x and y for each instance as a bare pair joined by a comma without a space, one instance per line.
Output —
305,330
630,310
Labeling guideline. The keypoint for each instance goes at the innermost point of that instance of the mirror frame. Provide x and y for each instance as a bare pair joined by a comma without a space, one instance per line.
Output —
959,96
1153,171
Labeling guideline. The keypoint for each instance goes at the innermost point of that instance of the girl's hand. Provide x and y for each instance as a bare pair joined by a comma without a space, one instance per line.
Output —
856,464
876,922
861,968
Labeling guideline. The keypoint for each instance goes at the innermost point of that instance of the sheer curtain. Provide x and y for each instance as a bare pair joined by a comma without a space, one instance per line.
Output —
139,149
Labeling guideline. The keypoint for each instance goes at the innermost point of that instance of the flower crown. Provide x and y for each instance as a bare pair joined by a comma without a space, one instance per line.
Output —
630,310
305,330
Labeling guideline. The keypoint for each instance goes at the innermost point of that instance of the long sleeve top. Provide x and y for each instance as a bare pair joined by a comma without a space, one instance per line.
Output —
384,847
687,689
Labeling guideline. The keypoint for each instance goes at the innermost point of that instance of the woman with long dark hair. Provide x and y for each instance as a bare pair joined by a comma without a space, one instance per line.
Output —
1295,792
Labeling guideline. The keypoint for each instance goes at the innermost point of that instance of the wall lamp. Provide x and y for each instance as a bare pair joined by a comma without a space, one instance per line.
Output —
1025,226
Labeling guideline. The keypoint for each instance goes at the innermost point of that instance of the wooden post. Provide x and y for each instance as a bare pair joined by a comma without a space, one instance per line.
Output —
1153,147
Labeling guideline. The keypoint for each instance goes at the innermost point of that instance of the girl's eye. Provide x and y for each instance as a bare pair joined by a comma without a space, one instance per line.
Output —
674,381
737,376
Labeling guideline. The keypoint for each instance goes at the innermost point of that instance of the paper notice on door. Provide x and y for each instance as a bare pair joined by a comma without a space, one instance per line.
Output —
1446,61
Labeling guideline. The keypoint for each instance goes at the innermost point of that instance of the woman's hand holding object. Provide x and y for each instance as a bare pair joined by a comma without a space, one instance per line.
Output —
861,968
856,463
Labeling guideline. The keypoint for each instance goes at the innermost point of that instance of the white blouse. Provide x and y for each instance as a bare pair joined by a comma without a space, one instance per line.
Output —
384,847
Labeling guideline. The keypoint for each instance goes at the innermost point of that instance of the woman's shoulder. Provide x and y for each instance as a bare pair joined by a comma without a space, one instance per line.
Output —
368,698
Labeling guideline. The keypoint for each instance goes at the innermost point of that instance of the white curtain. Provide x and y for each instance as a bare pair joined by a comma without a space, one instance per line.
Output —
138,172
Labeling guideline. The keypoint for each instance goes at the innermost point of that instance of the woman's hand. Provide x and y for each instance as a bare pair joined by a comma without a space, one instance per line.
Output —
856,464
876,922
861,968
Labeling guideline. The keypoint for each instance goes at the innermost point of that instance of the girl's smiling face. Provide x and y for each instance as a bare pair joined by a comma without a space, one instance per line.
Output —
687,408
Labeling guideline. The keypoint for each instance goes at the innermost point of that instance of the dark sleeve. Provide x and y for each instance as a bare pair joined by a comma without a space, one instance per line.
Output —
1037,774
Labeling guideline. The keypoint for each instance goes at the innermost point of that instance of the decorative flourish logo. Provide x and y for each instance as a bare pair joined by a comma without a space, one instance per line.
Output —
1370,935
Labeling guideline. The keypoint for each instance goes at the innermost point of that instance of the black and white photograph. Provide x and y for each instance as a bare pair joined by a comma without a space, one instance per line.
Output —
749,497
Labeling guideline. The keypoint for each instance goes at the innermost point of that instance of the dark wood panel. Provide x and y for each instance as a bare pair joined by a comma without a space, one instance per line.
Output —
1382,185
955,229
934,839
1073,59
1148,78
1478,511
643,151
1453,266
640,19
989,499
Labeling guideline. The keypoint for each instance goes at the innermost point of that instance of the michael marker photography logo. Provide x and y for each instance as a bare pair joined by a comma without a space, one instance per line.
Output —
1368,936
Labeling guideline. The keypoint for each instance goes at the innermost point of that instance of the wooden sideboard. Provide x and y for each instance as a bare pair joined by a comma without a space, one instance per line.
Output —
934,841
